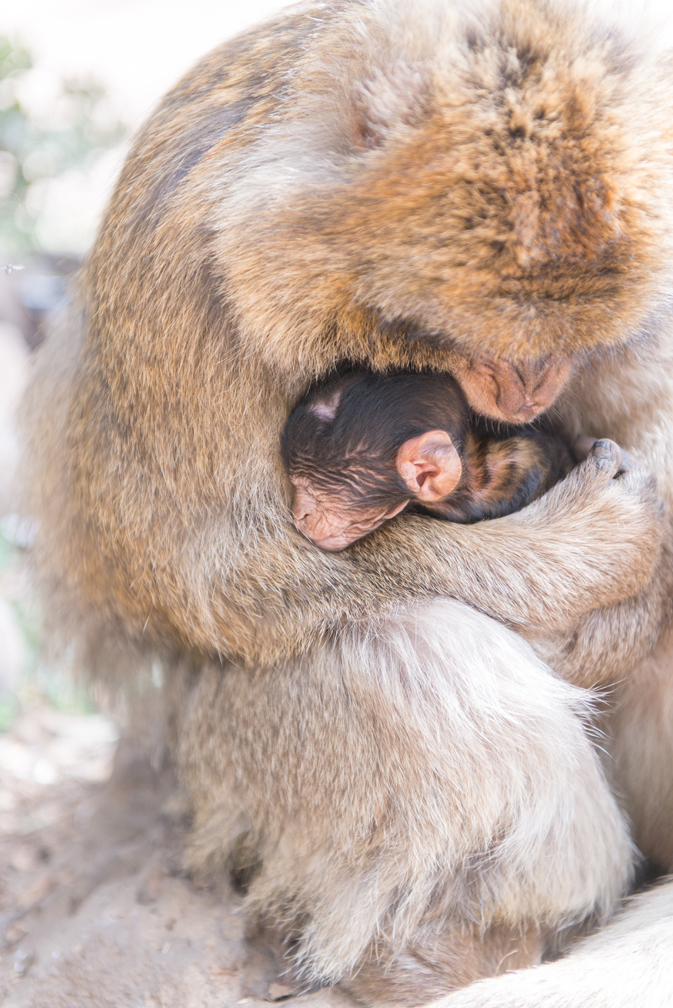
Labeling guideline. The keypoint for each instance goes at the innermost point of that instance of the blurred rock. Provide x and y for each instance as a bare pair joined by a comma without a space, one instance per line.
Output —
33,291
11,309
47,746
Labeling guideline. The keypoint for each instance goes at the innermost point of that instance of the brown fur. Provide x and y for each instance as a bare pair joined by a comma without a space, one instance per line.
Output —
421,971
403,187
361,447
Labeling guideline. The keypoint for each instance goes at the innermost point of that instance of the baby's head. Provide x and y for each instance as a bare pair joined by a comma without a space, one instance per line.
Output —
358,448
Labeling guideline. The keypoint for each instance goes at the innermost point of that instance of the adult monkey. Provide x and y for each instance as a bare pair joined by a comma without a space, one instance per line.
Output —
482,189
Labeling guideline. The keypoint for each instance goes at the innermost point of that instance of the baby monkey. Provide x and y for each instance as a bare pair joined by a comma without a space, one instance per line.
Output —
362,447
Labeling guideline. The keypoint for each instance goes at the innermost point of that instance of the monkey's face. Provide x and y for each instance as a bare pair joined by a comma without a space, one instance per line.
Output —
513,392
495,207
329,521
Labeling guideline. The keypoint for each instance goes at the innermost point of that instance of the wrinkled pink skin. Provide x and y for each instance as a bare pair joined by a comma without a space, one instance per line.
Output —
328,524
512,392
428,465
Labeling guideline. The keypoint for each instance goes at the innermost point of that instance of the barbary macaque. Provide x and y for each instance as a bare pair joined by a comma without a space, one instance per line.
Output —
361,448
381,739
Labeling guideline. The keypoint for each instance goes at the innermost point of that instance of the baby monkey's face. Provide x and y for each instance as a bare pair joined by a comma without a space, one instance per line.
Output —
428,465
330,522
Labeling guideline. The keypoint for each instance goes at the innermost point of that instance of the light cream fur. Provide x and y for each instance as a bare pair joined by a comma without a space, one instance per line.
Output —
477,771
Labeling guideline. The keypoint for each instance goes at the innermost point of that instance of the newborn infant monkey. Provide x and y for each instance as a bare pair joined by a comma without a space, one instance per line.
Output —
362,447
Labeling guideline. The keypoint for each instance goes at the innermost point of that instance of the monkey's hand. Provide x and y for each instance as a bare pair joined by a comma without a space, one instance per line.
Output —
608,643
604,529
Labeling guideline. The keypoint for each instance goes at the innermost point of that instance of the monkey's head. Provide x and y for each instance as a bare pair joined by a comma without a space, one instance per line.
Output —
359,448
493,182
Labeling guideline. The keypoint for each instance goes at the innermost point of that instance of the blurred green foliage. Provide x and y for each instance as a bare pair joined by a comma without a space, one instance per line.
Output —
32,148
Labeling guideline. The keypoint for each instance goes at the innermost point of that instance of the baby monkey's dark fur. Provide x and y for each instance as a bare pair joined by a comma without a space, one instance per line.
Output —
344,435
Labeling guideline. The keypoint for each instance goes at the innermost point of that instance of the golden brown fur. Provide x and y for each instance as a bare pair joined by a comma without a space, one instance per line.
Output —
404,185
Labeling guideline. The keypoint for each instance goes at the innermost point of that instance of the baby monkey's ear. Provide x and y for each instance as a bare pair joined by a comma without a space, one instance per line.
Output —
429,465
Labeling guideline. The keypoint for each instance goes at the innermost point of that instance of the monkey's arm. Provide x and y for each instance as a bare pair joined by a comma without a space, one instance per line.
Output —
609,642
624,965
214,563
588,543
592,537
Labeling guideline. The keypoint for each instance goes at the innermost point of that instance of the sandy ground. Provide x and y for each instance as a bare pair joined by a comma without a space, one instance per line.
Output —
95,909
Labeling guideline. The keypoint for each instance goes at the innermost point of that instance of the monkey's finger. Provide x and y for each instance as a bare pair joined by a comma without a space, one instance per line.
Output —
584,445
604,458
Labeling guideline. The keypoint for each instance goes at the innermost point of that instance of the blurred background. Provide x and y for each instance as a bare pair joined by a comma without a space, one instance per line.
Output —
76,79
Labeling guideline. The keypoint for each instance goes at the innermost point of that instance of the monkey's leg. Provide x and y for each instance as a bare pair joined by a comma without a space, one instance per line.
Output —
625,965
641,734
417,789
439,959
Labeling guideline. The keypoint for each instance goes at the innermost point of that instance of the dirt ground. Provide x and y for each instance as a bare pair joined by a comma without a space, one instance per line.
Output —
95,909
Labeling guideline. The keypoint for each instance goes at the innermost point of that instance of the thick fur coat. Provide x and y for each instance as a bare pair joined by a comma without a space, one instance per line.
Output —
411,792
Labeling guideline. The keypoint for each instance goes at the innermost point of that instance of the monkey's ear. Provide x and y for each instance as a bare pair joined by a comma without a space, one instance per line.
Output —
429,465
390,98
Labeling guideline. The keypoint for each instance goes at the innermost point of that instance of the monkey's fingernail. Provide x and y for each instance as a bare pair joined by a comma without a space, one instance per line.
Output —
606,454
